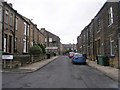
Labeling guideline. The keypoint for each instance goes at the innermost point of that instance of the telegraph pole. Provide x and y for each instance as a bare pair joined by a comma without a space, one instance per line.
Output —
73,45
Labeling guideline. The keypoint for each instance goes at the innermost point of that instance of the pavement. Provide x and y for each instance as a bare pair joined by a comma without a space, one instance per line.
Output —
31,67
107,70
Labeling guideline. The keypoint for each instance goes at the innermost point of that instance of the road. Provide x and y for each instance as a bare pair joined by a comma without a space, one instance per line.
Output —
60,74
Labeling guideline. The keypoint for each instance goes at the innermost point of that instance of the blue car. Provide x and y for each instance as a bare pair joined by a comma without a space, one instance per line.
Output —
78,59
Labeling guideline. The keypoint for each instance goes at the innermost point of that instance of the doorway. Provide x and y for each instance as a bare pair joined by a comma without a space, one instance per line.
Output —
10,44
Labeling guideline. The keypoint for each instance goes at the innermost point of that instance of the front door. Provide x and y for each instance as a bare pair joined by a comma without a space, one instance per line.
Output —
10,44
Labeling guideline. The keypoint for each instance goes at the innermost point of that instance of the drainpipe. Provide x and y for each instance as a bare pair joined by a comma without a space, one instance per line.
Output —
94,58
1,29
33,34
14,32
26,36
3,16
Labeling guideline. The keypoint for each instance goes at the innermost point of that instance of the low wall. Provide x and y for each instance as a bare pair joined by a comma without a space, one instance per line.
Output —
22,60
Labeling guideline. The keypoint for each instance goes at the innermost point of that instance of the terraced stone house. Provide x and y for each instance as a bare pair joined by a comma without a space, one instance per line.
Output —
103,35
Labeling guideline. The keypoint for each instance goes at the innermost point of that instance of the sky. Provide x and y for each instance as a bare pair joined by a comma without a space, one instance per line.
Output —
64,18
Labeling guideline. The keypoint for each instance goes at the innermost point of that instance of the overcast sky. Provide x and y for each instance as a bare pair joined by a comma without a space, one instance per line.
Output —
64,18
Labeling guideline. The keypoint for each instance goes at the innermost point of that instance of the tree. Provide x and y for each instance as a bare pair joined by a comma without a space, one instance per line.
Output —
67,51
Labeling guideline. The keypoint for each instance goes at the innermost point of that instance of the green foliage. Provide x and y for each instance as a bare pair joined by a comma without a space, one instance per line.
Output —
35,50
43,48
67,51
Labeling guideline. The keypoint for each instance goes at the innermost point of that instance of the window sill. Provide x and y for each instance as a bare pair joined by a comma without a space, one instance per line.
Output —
110,24
98,31
112,56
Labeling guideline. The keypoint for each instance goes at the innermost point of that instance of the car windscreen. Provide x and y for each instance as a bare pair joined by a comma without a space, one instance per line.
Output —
79,55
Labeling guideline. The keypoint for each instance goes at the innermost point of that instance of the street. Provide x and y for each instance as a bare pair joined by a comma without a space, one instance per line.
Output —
60,73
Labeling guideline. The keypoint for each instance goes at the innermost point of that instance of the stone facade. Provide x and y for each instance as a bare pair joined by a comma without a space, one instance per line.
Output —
18,32
8,28
100,37
52,42
21,38
1,19
68,46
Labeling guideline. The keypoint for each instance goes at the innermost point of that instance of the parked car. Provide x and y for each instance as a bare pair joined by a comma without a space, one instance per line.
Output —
71,54
78,59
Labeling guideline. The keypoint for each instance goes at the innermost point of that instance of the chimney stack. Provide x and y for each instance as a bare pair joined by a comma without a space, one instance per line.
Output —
42,28
10,4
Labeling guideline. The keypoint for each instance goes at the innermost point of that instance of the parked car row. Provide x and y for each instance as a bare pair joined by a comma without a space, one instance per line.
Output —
77,58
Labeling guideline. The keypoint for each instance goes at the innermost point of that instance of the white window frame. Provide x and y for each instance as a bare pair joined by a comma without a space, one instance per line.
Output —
24,47
84,37
16,27
45,39
50,39
25,28
111,47
5,44
11,19
28,31
6,16
110,21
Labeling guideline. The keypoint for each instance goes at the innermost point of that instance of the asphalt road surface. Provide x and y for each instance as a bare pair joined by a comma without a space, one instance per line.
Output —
60,73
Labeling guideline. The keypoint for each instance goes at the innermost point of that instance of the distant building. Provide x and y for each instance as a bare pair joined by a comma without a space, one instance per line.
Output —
38,36
52,42
35,35
66,47
21,38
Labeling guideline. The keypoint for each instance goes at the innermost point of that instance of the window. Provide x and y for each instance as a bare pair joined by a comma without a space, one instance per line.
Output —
110,16
0,14
16,27
99,46
11,29
10,44
5,43
11,19
15,43
45,39
50,39
99,27
6,16
28,31
31,43
84,38
87,34
112,50
24,46
25,28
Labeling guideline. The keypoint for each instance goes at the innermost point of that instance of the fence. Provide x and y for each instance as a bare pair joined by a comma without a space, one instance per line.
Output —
22,60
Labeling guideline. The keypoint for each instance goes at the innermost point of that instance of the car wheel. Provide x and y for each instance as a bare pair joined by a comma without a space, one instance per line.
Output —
84,63
72,62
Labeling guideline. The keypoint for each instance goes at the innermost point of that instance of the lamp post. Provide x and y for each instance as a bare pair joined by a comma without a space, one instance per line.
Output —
73,45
